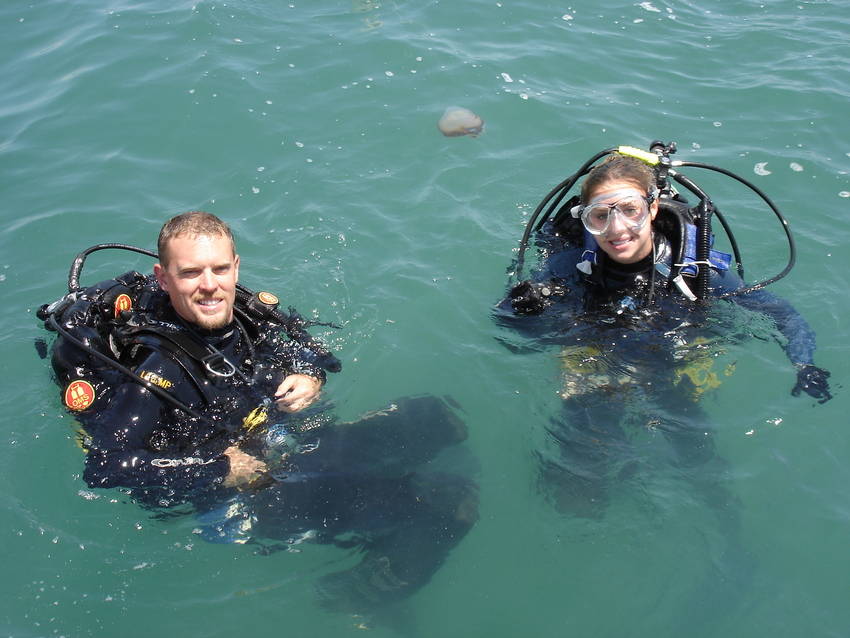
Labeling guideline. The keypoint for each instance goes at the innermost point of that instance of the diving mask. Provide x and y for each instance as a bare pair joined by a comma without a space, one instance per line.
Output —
629,205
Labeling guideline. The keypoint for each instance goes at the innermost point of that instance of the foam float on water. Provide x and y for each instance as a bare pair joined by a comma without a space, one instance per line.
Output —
457,121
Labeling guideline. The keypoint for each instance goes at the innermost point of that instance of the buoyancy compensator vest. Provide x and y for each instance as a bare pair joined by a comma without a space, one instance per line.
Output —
676,221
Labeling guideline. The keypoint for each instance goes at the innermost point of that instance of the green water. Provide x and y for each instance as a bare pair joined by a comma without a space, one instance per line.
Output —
311,127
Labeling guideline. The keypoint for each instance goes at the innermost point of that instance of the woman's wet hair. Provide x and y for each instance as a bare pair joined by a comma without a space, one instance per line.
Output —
194,225
617,168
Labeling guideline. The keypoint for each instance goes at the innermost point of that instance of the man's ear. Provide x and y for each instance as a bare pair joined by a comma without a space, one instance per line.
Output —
159,273
235,267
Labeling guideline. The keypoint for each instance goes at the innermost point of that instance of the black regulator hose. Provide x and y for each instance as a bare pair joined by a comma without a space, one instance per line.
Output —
791,247
162,394
295,327
77,266
702,195
703,247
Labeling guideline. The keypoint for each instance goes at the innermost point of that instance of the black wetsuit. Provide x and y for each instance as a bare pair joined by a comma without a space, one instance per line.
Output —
372,484
135,439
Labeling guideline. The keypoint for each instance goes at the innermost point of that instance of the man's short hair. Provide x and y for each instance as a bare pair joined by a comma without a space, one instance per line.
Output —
194,225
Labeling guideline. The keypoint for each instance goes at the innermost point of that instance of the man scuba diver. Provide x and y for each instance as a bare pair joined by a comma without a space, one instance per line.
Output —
179,334
624,288
175,381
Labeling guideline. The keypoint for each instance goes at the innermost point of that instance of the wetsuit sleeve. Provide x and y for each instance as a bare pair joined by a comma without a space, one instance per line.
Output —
800,346
131,444
285,356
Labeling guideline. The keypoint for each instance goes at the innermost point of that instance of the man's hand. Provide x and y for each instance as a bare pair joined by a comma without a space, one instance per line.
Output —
244,468
296,392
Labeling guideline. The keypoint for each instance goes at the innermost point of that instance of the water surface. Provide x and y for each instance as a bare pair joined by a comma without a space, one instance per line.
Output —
312,129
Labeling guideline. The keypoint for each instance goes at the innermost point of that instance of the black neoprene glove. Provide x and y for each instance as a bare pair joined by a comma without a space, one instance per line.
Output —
526,298
813,381
533,298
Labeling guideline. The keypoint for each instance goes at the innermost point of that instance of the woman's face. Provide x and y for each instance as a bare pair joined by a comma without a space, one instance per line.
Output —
621,241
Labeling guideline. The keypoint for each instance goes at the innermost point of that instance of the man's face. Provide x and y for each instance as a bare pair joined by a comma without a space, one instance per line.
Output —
200,279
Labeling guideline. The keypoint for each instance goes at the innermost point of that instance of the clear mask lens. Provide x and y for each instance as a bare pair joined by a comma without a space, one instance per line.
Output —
632,212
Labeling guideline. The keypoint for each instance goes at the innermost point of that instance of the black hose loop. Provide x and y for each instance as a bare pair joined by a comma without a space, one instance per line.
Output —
77,266
792,250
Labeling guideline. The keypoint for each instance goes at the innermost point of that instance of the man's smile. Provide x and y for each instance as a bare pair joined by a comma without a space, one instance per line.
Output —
209,303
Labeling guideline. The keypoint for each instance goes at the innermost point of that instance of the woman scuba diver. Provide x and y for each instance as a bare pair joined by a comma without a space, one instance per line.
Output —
624,290
637,234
